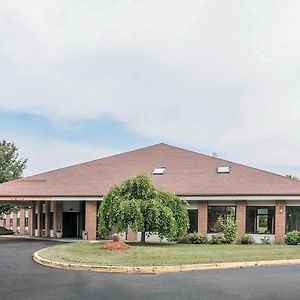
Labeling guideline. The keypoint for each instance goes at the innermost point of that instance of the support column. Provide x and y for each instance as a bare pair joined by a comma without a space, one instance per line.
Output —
280,213
91,219
58,217
22,222
31,219
7,218
38,211
15,216
241,218
131,235
47,219
202,216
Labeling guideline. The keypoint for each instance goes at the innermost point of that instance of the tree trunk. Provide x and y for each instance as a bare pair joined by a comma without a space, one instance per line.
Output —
143,237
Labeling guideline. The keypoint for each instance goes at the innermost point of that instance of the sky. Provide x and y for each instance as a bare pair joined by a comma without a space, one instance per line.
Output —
81,80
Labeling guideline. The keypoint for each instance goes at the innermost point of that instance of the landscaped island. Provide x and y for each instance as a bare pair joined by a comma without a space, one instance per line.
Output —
159,254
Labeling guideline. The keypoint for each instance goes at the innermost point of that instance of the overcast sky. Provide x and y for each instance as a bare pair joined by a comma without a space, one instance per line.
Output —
83,79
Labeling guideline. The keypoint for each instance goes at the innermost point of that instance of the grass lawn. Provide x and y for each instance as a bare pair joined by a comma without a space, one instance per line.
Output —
155,254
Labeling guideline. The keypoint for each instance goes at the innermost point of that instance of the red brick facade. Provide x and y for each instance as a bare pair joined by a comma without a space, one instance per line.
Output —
241,217
131,235
38,208
202,216
280,217
91,219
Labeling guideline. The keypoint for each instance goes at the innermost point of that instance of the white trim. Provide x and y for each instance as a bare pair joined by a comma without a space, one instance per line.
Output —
293,203
78,198
239,198
218,203
192,205
261,203
188,198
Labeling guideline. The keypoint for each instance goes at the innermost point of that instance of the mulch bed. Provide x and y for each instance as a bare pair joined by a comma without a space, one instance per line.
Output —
115,246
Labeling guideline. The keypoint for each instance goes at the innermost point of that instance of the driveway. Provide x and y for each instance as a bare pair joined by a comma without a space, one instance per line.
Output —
21,278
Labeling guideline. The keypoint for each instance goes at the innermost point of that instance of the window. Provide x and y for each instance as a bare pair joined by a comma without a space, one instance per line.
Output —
52,220
193,216
159,171
10,222
4,222
292,218
36,221
18,222
260,219
26,221
214,212
43,221
223,170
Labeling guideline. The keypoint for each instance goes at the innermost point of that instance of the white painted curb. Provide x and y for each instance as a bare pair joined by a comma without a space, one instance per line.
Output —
159,269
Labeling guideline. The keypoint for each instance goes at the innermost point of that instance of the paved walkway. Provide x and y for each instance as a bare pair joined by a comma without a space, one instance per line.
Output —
21,278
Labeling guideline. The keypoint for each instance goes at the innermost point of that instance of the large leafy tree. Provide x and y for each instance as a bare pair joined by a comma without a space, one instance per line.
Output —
11,167
137,204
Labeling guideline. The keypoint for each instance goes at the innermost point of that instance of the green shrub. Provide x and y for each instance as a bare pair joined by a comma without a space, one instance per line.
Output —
292,238
246,239
198,238
4,231
229,228
218,239
265,240
184,239
193,238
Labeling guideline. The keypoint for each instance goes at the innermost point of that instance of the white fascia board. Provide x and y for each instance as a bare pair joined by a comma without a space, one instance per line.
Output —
77,198
26,199
239,198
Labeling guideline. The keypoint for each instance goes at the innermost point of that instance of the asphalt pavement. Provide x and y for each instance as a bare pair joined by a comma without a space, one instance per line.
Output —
21,278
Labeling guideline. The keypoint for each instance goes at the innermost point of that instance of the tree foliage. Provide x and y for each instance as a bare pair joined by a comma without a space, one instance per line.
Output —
291,176
229,227
137,204
11,168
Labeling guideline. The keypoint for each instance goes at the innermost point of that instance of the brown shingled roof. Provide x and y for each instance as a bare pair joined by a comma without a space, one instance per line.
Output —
187,173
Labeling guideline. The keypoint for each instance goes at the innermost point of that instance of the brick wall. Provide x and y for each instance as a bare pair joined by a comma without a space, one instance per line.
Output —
91,219
202,216
241,217
131,235
22,222
280,212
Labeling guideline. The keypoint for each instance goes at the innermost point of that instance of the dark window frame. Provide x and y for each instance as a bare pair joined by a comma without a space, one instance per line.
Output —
216,226
290,212
36,221
253,218
51,220
194,220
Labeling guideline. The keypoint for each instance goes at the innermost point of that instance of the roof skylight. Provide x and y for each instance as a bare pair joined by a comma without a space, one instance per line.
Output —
223,170
159,171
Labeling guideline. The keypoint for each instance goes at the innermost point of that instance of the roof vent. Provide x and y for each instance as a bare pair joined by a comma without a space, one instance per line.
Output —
223,170
159,171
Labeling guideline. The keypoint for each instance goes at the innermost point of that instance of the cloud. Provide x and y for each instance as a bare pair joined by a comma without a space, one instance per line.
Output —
45,154
218,75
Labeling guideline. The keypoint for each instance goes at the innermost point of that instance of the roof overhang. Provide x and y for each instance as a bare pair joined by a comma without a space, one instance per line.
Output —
241,198
188,198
